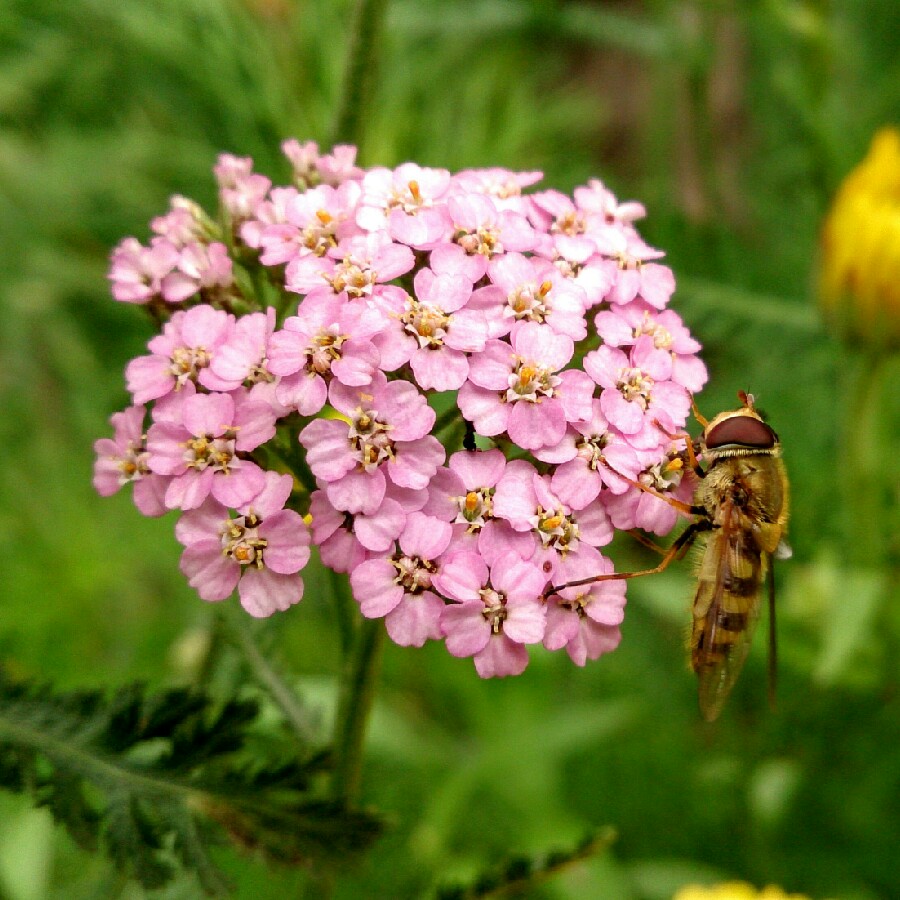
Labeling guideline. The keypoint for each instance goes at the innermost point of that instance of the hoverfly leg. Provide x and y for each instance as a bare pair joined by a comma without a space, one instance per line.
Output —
688,509
642,538
690,447
773,638
701,419
676,551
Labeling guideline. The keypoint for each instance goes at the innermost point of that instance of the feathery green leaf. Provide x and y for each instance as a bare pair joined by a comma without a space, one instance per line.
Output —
157,779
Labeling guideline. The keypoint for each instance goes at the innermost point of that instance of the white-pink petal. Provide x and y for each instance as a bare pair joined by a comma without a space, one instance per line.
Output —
374,587
240,485
483,408
535,425
287,542
415,619
465,629
211,574
461,576
209,414
501,658
379,531
425,536
263,592
415,462
357,492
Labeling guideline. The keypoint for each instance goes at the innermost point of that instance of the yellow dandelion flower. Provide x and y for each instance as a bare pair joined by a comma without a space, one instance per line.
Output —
734,890
859,278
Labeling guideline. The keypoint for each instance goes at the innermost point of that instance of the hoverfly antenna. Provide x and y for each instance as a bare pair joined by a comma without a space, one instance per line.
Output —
746,398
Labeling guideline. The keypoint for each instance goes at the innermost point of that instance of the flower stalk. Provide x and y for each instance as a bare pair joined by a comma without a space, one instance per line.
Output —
358,685
864,458
361,71
266,674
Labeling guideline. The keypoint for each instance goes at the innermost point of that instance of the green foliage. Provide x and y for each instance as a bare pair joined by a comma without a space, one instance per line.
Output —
519,874
733,123
156,780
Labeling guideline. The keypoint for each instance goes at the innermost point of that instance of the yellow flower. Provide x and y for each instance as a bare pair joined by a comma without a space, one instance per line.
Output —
859,279
734,890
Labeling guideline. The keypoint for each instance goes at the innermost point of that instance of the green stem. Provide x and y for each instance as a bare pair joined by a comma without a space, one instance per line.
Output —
358,685
361,71
212,654
239,629
448,417
865,506
345,609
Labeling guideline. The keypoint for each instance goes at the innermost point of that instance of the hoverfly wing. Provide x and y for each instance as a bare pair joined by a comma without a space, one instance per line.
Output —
726,609
783,550
773,634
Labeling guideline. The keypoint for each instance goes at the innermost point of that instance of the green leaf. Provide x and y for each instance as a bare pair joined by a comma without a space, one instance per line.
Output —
156,779
519,874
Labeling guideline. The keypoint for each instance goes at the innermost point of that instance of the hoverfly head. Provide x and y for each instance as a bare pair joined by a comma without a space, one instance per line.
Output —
739,432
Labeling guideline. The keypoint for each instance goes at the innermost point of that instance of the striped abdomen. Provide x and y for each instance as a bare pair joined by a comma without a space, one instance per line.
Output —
726,608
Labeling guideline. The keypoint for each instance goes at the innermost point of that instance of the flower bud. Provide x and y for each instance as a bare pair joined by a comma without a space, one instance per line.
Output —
859,277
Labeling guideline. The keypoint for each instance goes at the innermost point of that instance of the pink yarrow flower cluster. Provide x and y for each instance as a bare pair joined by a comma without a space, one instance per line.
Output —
452,387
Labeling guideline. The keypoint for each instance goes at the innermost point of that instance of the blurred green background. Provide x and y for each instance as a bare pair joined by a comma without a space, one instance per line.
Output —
734,123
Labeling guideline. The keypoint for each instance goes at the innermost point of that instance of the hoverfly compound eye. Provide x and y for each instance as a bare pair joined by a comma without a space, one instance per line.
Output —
745,431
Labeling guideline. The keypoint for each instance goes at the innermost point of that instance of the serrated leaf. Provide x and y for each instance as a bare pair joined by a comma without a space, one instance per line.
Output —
156,780
518,875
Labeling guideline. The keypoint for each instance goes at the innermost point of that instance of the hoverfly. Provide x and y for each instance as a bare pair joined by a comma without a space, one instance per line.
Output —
740,510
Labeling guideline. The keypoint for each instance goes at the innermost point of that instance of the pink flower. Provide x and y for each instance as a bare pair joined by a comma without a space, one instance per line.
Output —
434,333
501,185
391,285
201,267
640,509
185,223
315,222
240,188
368,534
498,613
532,289
514,388
398,587
260,552
585,619
387,438
591,455
243,358
602,203
628,324
525,499
638,397
630,261
137,272
407,201
311,169
483,230
565,229
180,354
355,268
123,460
328,338
271,211
333,534
199,450
463,494
586,270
